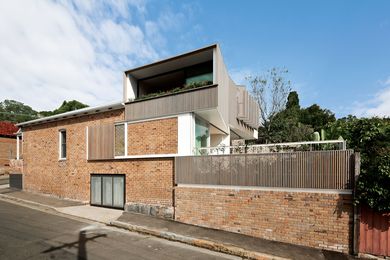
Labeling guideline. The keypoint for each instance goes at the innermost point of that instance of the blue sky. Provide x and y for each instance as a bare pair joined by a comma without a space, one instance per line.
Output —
337,52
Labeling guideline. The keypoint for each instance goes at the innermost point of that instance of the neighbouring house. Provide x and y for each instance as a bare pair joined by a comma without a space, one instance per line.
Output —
8,144
123,154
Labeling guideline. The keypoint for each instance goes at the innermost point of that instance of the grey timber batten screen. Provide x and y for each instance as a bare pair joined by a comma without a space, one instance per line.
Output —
313,170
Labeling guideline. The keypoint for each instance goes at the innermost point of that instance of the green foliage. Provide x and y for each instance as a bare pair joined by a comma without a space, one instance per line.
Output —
317,117
195,84
16,112
286,126
370,137
293,101
65,107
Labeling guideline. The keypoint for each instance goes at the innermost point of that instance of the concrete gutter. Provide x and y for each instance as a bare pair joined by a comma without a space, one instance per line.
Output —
207,244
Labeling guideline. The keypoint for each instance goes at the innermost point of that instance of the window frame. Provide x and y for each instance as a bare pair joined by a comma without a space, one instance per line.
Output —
125,139
60,145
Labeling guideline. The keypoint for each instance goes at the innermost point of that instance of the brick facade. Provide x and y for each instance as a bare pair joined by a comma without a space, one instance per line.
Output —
319,220
148,181
161,137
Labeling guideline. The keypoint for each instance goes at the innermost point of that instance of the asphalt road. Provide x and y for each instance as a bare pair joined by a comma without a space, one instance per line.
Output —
27,233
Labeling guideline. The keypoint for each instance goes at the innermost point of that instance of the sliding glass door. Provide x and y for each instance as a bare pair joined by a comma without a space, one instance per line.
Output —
108,190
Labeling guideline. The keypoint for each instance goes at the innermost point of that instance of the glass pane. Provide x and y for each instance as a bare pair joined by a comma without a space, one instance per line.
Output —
63,144
118,191
107,191
119,140
202,134
96,190
63,151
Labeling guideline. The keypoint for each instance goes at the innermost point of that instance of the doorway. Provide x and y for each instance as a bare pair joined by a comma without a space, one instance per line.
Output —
108,190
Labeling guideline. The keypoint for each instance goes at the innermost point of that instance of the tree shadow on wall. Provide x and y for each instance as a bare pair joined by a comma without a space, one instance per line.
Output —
80,244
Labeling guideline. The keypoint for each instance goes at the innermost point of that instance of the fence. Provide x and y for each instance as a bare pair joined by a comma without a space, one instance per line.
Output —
317,169
374,232
276,147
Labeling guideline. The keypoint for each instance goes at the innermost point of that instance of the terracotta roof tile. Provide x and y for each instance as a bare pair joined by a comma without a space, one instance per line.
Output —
7,128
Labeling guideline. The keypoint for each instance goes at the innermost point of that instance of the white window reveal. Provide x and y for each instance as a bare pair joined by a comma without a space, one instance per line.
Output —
62,148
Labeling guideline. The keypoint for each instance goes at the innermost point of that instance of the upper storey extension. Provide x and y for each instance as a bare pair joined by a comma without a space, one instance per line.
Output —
194,82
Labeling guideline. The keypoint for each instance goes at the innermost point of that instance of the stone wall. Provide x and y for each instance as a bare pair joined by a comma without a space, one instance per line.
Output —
314,219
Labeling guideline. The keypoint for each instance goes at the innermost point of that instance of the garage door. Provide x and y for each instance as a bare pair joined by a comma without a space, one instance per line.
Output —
108,190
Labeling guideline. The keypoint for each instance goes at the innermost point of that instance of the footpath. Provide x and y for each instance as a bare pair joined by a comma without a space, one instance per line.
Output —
217,240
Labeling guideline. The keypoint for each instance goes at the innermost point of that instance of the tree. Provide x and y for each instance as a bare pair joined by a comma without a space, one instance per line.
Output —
65,107
317,117
270,91
370,137
293,101
16,112
285,125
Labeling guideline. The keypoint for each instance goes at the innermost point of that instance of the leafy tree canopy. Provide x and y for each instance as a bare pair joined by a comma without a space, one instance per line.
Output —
370,137
14,111
65,107
317,117
17,112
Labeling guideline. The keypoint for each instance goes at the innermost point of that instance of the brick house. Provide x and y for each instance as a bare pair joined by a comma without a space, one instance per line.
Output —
122,155
7,143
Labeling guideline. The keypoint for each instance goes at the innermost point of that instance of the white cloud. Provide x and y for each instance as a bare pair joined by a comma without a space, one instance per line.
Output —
55,51
377,106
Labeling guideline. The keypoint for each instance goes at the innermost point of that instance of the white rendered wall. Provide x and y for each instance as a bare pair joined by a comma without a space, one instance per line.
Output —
129,88
186,134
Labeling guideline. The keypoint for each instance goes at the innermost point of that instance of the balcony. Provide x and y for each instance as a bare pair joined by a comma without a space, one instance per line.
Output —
183,101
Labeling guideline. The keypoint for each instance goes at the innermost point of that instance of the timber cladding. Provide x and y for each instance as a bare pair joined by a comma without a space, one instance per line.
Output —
314,219
196,99
7,150
101,142
317,170
148,181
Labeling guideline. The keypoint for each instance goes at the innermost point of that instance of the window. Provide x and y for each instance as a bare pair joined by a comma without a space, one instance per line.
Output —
62,144
202,135
120,140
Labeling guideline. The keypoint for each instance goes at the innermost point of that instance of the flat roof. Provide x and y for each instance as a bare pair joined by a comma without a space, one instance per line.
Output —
73,114
168,64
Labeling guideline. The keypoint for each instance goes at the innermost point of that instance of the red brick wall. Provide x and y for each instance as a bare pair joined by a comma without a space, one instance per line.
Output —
317,220
148,181
158,137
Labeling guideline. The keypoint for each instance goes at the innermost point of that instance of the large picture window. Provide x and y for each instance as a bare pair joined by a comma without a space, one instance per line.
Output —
62,138
120,140
202,134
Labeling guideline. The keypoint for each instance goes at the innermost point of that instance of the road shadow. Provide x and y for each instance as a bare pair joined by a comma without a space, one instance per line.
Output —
80,244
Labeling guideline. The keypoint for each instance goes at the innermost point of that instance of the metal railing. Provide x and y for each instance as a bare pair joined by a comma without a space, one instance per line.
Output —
328,145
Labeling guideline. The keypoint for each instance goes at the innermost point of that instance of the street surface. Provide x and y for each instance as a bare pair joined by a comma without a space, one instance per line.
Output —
27,233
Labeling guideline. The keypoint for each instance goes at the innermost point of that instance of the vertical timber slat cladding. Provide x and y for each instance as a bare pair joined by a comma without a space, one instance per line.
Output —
317,170
374,232
101,142
196,99
148,181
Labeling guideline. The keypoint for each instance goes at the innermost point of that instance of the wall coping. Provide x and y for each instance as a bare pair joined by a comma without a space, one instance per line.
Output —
276,189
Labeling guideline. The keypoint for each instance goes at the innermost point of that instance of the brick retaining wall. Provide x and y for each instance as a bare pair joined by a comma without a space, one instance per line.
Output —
320,220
